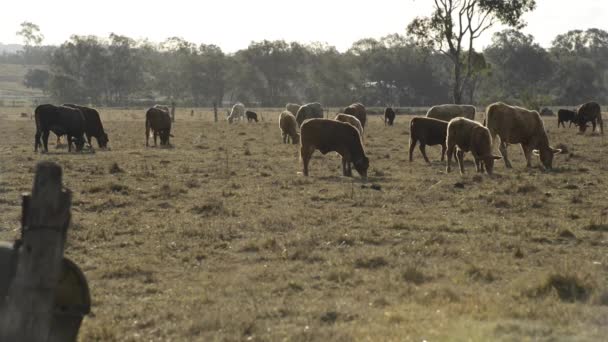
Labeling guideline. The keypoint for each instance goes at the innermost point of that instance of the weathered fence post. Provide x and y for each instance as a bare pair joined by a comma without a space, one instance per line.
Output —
28,310
172,111
215,111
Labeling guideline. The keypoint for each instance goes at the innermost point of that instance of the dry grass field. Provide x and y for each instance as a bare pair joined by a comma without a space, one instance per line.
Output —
221,239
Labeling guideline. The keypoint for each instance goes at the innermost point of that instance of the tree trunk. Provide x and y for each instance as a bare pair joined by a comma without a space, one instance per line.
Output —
457,90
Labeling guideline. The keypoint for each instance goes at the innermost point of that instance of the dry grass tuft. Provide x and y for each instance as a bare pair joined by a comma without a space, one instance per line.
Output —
569,288
114,168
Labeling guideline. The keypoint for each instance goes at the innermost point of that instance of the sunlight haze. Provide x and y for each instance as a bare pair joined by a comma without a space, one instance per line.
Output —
233,24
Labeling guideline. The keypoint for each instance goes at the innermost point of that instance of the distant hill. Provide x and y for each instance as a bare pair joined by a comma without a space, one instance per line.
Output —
10,48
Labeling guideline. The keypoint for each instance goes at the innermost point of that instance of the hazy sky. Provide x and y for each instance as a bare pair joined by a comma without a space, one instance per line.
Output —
233,24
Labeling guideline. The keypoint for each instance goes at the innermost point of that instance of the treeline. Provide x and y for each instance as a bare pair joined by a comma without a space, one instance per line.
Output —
389,71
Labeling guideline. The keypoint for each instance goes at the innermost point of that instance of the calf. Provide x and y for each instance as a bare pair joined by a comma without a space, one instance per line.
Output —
427,131
61,120
251,116
329,135
289,127
389,116
350,119
470,136
92,125
589,112
565,115
159,122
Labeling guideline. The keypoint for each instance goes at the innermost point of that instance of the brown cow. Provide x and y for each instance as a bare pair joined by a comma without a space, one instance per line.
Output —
589,112
389,116
447,112
357,110
329,135
470,136
289,127
427,131
351,119
516,125
309,111
159,122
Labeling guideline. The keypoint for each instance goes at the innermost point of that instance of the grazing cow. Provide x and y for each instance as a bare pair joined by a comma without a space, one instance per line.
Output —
351,119
516,125
92,125
309,111
289,127
566,115
470,136
237,112
427,131
292,108
61,120
251,116
159,122
329,135
589,112
447,112
546,112
389,116
357,110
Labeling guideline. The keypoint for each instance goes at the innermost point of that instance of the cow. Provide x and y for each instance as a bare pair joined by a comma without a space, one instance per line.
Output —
289,127
237,112
351,119
566,115
389,116
92,125
328,135
292,108
589,112
60,120
516,125
251,116
357,110
427,131
309,111
159,122
464,135
447,112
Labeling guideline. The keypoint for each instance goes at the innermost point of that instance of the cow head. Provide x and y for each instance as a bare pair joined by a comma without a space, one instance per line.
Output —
295,139
103,140
546,156
361,165
488,162
79,143
164,137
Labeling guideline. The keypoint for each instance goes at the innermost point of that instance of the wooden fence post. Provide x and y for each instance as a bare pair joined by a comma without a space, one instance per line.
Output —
28,310
172,111
215,111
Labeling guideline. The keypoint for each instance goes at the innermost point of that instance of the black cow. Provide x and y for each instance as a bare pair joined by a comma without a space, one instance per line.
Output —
92,125
589,112
61,120
251,116
566,115
389,116
159,121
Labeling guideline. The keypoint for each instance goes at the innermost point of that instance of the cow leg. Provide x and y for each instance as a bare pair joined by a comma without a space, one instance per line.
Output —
423,151
89,140
460,157
569,124
503,152
527,150
155,136
306,153
58,143
345,167
451,153
443,149
45,140
69,143
601,123
285,138
412,146
593,124
37,140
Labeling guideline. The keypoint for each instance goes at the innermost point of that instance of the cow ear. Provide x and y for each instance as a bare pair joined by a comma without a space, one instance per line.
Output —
536,153
556,150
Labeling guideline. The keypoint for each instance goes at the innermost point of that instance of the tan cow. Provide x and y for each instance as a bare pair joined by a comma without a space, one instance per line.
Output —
350,119
447,112
289,127
470,136
516,125
292,108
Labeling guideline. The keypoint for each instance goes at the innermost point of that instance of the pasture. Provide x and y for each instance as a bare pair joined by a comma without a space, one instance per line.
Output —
221,238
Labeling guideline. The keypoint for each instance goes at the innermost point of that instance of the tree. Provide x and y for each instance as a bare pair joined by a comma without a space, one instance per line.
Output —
455,25
30,33
37,79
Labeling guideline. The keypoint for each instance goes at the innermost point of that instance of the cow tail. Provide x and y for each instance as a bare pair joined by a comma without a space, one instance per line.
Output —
148,130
